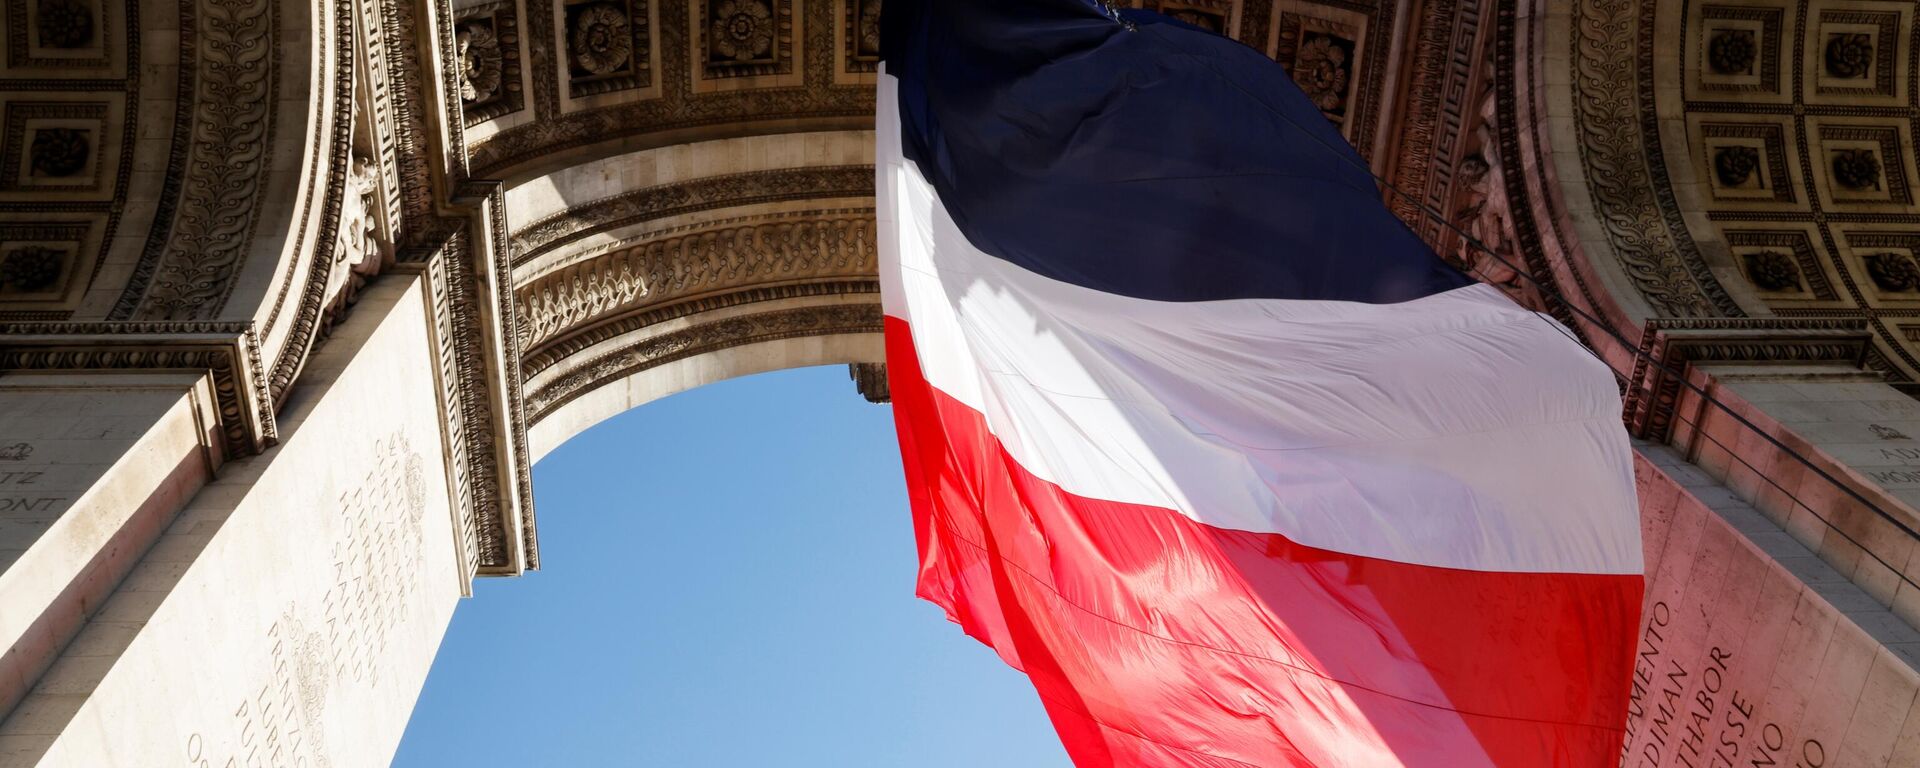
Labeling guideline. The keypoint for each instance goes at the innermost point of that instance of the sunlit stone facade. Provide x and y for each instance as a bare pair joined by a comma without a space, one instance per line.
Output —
292,293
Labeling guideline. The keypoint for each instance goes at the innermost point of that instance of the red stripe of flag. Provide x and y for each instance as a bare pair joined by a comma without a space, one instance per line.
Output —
1156,640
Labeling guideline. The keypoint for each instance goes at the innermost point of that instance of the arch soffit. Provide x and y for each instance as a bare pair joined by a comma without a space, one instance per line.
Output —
610,227
1735,168
639,273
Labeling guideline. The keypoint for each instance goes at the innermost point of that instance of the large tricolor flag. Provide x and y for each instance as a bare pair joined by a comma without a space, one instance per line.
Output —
1203,440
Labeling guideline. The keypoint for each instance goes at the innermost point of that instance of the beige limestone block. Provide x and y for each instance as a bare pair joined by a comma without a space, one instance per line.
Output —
91,468
290,613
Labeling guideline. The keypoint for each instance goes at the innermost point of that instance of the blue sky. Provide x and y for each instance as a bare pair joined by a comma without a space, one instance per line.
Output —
727,581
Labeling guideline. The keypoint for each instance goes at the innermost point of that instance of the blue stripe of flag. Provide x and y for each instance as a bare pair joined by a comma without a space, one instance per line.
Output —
1133,154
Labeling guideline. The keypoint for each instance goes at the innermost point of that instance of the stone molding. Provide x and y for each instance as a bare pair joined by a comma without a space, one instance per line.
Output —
477,363
680,107
1438,109
699,339
731,190
752,251
204,228
556,353
1673,345
322,266
1619,142
228,352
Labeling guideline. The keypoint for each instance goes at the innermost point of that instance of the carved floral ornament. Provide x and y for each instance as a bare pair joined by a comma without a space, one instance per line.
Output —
1773,271
742,30
1322,70
1894,272
602,39
480,61
59,152
1731,51
1735,165
30,269
1856,169
1849,54
64,23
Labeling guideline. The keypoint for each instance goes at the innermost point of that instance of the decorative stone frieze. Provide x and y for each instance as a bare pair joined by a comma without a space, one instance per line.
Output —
730,190
188,267
699,261
1632,198
703,339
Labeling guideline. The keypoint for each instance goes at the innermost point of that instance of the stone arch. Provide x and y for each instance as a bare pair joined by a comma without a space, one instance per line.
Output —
345,296
648,272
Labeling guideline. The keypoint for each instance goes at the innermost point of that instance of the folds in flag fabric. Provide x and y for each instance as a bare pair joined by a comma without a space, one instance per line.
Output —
1205,441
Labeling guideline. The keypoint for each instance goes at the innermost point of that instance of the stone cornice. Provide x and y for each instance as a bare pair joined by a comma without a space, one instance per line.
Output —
1613,82
228,352
537,238
477,365
1671,346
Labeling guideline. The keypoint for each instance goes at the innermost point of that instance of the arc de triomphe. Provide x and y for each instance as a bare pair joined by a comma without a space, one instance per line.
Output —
293,292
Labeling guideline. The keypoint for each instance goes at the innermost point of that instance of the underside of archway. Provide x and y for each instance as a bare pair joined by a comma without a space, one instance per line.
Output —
707,260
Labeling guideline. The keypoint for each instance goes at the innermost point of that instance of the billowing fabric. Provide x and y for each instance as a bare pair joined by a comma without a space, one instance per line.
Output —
1199,437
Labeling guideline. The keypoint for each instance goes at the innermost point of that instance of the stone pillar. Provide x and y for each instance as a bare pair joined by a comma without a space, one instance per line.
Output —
91,468
290,612
1746,656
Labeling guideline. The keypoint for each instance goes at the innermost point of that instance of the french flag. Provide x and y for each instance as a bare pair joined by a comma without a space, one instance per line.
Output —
1203,440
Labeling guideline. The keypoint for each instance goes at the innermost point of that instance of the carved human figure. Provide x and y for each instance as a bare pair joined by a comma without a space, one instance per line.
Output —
1482,242
359,251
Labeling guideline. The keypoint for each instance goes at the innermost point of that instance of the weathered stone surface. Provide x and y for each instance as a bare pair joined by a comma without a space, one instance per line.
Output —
687,197
293,607
1741,660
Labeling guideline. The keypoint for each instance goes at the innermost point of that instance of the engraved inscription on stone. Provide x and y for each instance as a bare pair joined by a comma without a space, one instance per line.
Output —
1686,711
22,485
338,643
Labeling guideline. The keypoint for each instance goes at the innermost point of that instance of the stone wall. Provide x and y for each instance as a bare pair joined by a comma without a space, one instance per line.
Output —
1743,662
290,612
